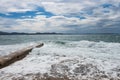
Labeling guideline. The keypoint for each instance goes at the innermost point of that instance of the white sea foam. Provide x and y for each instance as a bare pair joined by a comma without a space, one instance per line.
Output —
7,49
75,58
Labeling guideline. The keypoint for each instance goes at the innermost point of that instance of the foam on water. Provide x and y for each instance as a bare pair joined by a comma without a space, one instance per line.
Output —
7,49
78,59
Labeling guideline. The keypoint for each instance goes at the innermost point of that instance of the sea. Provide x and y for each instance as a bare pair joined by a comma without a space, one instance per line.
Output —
79,57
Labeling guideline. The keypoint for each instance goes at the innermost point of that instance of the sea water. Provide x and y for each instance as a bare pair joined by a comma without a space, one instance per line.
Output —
76,56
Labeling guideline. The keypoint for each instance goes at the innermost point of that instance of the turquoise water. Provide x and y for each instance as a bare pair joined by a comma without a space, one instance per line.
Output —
15,39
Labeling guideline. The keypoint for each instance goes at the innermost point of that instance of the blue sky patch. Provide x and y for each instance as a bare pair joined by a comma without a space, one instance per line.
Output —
106,5
27,14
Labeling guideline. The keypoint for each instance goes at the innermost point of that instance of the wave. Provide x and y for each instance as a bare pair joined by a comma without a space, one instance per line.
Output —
75,59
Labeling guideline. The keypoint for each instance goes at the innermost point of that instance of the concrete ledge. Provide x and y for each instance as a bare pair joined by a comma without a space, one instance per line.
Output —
17,55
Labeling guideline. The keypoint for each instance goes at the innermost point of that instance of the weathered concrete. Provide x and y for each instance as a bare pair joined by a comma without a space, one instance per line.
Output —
17,55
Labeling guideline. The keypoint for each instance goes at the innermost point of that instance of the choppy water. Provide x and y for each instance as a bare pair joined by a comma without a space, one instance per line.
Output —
82,56
13,39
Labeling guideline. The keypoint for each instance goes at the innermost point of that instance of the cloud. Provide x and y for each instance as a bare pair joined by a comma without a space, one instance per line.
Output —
27,14
62,24
7,6
60,15
38,23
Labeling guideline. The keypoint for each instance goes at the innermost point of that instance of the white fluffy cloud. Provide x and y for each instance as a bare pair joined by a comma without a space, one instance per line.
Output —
66,13
62,8
43,24
74,6
55,6
7,6
52,24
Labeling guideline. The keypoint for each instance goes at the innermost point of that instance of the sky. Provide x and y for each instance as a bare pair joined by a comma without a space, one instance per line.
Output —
62,16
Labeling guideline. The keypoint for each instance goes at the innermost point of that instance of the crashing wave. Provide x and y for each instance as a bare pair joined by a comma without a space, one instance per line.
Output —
68,60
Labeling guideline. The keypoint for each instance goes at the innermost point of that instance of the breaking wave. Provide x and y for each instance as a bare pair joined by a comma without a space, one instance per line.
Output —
75,59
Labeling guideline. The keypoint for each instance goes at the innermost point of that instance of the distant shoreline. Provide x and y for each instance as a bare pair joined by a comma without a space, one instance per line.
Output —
17,33
53,33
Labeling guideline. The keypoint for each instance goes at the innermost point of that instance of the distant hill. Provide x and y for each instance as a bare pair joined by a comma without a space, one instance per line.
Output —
17,33
3,33
53,33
